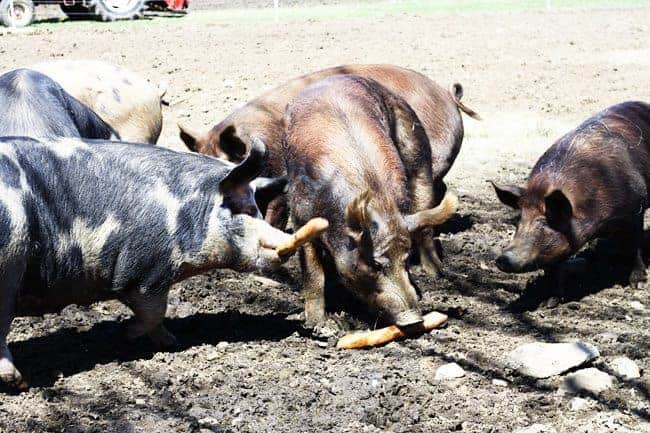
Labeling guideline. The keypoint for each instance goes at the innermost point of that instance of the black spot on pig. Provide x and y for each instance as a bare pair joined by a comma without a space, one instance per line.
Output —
5,226
9,172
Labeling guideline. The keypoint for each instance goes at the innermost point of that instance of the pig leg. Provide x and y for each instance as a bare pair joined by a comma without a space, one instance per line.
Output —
632,242
149,311
9,287
313,286
557,278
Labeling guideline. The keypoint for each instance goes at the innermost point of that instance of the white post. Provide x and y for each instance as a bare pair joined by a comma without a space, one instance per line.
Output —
276,6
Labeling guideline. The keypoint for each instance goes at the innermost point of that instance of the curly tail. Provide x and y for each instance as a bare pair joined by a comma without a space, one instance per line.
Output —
456,91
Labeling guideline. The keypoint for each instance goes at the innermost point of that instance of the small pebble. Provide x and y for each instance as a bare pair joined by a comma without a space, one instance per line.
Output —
449,371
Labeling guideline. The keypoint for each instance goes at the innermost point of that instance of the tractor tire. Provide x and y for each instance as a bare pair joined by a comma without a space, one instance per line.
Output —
112,10
21,15
76,11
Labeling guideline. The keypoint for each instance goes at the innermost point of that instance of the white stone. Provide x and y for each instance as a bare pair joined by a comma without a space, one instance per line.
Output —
577,404
499,382
536,428
449,371
637,306
625,368
589,380
541,360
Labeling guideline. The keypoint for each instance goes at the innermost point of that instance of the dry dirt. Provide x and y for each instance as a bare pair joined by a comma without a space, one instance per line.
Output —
244,363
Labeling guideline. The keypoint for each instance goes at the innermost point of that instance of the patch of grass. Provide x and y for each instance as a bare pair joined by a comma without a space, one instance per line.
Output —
360,9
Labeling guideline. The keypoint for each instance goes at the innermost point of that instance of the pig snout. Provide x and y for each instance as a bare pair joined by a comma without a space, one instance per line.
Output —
507,262
513,262
408,318
400,305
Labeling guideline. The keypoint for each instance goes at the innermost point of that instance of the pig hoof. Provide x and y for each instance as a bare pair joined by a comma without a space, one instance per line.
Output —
12,377
325,328
324,332
636,278
553,302
163,339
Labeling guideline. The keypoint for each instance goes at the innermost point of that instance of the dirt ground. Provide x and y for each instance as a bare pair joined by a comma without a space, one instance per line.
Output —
245,363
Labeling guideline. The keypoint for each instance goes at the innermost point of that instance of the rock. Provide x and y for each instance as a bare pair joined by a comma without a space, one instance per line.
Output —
449,371
267,282
625,368
140,401
499,382
209,422
637,306
577,404
536,428
607,337
542,360
589,380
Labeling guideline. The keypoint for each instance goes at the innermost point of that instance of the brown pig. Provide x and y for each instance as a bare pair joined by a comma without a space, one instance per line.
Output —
592,183
438,111
356,153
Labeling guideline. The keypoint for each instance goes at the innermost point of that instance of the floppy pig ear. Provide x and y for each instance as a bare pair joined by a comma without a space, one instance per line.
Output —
189,137
358,221
508,194
357,217
558,208
243,173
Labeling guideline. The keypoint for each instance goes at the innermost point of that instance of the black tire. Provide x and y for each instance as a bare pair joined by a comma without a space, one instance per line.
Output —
22,14
76,11
111,10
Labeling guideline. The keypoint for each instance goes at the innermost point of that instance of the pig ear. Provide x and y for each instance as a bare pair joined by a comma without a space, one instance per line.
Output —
357,217
268,188
189,137
558,208
433,217
508,194
231,144
247,170
358,222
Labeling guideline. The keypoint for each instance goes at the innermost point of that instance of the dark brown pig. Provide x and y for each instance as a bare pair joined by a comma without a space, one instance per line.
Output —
436,108
356,153
592,183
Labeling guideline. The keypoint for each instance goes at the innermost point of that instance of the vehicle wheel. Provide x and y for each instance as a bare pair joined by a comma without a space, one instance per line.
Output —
76,11
111,10
18,14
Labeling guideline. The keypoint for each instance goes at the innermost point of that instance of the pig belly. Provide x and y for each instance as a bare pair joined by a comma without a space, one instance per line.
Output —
36,302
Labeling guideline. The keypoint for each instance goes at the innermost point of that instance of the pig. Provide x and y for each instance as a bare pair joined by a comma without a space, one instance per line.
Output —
438,111
122,98
33,105
85,221
591,183
357,153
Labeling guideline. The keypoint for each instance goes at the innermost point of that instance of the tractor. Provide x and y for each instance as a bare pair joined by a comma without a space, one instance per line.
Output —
20,13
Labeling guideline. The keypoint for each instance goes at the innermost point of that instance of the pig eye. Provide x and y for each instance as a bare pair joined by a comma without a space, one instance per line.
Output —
351,244
380,263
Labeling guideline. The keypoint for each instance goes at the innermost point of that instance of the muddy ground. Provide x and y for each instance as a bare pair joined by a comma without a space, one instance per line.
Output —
245,364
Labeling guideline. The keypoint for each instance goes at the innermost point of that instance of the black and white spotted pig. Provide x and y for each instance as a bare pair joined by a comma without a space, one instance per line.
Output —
33,105
124,99
87,221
